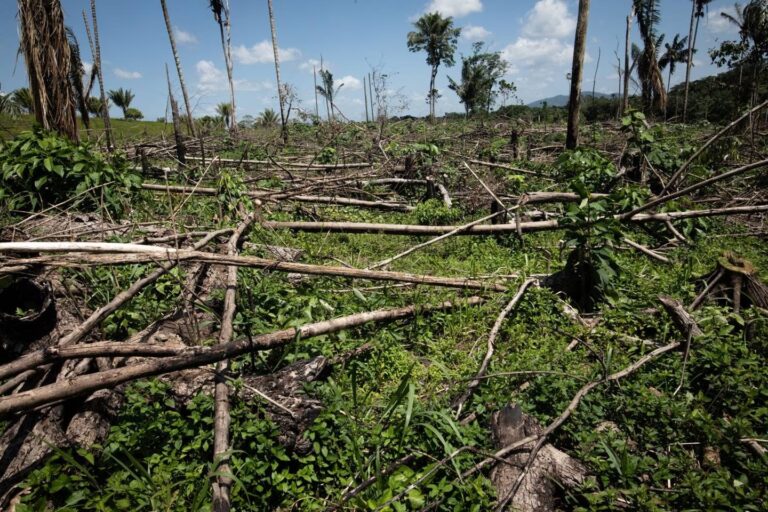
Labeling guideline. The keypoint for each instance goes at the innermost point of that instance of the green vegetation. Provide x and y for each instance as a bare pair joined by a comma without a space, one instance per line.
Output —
41,168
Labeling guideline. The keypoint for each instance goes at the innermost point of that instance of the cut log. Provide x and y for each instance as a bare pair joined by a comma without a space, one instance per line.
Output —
539,490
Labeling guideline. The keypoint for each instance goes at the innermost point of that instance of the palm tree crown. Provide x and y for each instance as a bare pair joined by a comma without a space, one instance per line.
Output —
122,98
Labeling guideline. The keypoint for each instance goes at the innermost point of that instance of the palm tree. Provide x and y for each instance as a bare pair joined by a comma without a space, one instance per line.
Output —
697,12
23,98
579,48
651,81
268,117
220,9
225,111
675,53
327,90
47,56
436,36
187,104
752,21
122,98
95,105
280,96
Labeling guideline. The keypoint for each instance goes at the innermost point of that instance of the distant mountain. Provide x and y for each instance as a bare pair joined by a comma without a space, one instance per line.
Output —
561,100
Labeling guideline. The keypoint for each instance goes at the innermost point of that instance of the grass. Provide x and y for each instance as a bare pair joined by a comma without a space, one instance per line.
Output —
124,131
395,400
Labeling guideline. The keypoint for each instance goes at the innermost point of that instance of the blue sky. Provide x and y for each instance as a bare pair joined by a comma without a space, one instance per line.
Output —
534,36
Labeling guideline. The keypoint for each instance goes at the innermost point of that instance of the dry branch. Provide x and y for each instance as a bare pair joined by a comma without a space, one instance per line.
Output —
84,384
414,229
152,254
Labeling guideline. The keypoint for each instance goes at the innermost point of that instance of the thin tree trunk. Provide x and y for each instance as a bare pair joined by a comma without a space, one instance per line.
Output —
184,93
96,53
283,126
226,46
579,47
317,105
625,102
180,148
432,94
365,98
374,115
688,64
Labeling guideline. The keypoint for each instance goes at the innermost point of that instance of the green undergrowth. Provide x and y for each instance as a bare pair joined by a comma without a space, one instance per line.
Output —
646,444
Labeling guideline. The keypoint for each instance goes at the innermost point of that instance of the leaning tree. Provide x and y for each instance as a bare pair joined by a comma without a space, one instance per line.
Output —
437,37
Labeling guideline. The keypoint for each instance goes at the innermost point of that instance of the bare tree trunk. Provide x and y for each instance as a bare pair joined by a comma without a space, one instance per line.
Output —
579,47
187,106
432,94
317,105
226,45
374,115
690,60
625,102
283,126
180,148
365,99
96,53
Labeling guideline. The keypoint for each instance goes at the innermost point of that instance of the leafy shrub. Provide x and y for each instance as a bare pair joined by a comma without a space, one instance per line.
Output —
133,114
327,156
41,168
435,212
588,167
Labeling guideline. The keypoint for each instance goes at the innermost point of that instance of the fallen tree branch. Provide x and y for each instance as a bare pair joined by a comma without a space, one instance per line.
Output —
546,225
222,481
152,254
201,356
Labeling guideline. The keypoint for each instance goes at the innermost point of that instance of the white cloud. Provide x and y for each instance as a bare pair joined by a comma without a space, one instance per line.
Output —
127,75
87,68
474,33
183,37
349,82
212,79
312,64
551,19
455,8
262,53
718,24
532,53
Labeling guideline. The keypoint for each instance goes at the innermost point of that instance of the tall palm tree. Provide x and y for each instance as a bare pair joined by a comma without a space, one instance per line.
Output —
280,95
651,81
327,90
697,12
187,104
47,56
675,53
220,9
122,98
579,48
438,38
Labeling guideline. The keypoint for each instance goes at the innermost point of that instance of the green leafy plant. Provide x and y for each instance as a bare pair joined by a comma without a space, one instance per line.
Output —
435,212
41,168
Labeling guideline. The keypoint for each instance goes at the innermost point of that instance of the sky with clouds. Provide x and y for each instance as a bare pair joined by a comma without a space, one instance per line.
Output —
351,37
